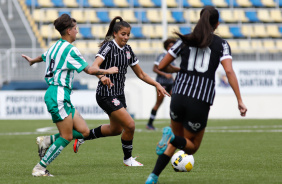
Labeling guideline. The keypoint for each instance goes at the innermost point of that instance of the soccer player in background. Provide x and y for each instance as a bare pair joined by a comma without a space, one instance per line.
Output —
193,93
165,79
114,51
62,59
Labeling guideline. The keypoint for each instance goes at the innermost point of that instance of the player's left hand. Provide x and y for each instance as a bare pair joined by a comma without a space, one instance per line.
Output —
162,91
107,81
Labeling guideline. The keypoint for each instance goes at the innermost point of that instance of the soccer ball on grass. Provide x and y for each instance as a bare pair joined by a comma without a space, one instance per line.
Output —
182,162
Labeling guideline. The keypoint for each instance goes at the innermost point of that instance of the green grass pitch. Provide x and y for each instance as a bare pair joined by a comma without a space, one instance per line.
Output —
232,151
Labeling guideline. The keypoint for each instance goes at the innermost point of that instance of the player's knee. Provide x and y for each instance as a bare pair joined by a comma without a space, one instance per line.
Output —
130,127
67,137
86,133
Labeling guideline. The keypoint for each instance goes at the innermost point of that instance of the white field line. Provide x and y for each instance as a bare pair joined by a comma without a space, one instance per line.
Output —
215,129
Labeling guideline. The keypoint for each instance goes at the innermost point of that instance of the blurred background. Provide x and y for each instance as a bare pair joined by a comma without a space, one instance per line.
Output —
253,28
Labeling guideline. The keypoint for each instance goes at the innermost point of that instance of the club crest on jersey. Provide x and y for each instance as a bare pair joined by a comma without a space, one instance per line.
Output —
194,126
128,55
116,102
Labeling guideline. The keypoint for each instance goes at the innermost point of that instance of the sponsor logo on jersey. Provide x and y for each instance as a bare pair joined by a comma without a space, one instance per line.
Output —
172,115
116,102
128,55
225,49
194,126
106,50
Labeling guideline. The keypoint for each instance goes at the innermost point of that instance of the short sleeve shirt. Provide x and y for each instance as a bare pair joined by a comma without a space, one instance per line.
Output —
196,77
114,55
62,59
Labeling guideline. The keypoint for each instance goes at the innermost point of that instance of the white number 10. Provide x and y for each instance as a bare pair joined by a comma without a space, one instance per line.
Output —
200,59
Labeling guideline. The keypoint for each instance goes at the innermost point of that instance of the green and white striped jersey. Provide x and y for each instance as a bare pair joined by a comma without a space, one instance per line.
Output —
62,59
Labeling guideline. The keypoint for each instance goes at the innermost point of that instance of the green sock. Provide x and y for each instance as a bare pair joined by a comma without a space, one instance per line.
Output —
53,151
53,138
77,135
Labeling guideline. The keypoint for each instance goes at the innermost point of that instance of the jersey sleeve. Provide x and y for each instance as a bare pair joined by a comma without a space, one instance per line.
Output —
225,51
133,58
44,55
104,50
175,49
75,61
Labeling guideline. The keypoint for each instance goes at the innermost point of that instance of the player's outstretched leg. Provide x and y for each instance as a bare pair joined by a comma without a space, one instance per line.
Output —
76,144
132,162
43,143
152,179
38,170
167,137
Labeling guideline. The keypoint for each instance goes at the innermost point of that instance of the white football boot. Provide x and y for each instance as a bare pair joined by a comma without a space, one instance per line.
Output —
76,144
132,162
38,170
43,144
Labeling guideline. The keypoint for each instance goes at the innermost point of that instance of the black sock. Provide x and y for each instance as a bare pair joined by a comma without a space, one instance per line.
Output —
95,133
127,148
179,142
161,163
152,117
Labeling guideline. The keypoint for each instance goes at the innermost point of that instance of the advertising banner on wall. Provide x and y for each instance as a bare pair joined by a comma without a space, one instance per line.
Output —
263,79
253,78
31,105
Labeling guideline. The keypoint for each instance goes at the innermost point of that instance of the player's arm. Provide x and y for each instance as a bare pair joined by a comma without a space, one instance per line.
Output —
32,60
166,66
146,78
232,79
156,70
100,73
92,70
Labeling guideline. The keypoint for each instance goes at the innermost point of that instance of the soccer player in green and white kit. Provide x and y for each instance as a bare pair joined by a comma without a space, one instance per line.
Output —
62,59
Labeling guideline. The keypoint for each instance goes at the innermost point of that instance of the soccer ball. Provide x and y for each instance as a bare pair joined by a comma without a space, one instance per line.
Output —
182,162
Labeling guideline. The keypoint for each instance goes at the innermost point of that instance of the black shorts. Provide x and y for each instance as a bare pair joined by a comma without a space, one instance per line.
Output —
111,103
192,113
167,87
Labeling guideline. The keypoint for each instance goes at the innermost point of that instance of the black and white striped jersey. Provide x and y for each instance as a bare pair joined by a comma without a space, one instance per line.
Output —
114,55
160,78
196,77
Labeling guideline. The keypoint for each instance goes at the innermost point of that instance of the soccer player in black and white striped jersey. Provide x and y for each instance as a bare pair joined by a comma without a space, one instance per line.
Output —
117,53
193,93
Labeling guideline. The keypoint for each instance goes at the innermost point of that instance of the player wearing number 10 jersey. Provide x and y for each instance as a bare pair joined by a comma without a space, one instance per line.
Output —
193,93
196,77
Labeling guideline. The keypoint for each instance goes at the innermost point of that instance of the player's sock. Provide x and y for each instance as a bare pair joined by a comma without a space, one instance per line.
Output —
127,148
95,133
161,163
77,135
178,142
53,138
53,151
152,117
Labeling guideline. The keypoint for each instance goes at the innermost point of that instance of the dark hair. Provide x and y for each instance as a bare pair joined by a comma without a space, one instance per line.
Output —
169,41
114,27
202,34
63,23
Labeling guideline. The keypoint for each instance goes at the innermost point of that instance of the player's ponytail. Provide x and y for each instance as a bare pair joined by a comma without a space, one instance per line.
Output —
202,34
114,27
